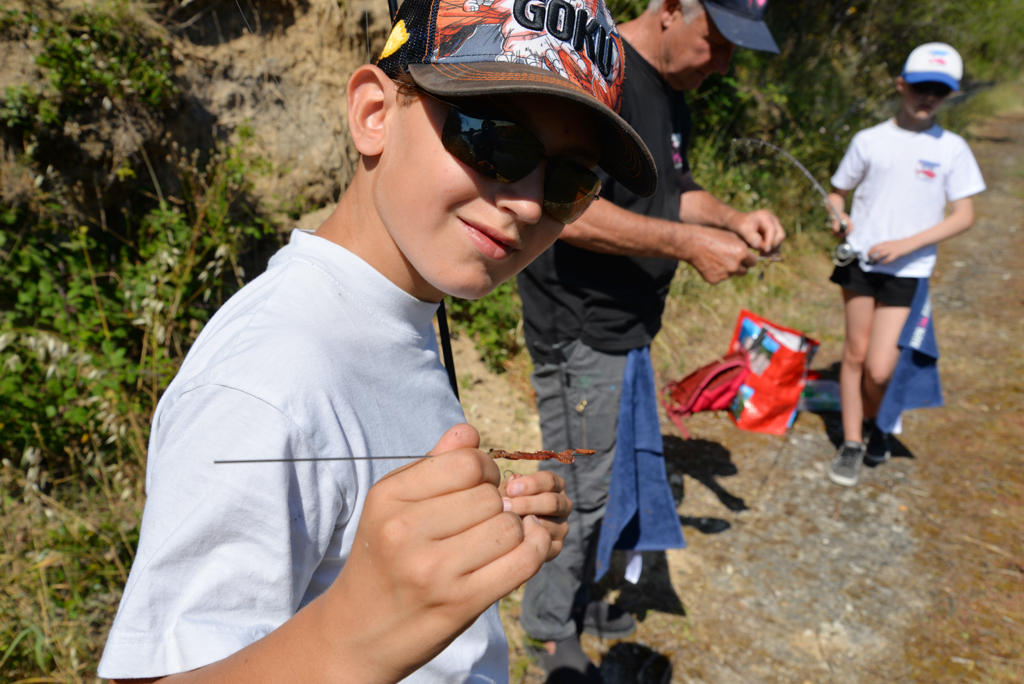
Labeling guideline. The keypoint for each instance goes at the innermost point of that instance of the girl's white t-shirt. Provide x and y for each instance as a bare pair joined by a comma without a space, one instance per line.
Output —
903,180
320,356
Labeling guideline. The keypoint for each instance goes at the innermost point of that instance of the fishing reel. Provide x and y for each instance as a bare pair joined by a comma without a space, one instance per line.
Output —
843,254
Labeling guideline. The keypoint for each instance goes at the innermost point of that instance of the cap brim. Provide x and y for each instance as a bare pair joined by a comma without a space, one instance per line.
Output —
623,155
926,76
741,30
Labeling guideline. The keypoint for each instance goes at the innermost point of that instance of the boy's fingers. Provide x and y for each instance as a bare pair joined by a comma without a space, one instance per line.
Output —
506,573
481,545
439,475
546,504
450,515
541,481
461,436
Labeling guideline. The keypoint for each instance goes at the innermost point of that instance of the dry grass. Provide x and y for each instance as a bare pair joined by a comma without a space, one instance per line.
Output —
64,559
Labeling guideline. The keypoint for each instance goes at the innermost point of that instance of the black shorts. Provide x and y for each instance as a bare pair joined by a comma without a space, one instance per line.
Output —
885,288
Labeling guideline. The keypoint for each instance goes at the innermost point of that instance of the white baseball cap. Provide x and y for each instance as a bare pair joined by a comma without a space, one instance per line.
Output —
934,62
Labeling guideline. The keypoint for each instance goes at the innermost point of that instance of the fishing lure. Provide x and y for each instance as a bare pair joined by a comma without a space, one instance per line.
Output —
567,456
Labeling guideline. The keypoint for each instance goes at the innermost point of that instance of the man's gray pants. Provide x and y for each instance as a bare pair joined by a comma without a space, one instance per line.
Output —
578,403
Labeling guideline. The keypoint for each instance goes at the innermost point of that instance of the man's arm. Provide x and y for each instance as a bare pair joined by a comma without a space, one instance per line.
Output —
609,229
760,229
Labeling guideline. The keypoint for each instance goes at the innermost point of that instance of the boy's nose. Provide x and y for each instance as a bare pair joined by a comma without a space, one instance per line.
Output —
524,198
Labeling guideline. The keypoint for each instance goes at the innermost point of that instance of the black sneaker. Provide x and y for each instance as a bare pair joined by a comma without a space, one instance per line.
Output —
607,621
846,465
877,451
568,665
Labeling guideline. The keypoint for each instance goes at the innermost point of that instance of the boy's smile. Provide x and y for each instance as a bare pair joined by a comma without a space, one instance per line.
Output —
492,243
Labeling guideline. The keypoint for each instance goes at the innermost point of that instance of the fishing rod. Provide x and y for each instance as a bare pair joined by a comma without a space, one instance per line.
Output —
844,253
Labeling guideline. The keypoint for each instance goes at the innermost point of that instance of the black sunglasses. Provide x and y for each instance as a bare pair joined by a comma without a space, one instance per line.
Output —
931,88
507,151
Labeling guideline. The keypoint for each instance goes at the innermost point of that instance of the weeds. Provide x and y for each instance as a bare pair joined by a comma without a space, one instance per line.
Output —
93,58
493,322
94,325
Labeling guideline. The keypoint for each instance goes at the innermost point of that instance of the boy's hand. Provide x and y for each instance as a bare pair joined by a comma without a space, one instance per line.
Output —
843,229
436,545
887,252
543,495
837,198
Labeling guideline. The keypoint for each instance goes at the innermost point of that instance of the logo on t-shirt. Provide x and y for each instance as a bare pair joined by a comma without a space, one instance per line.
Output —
927,170
677,151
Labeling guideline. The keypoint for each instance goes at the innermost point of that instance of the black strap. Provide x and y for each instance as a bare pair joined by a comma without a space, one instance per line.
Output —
393,8
446,348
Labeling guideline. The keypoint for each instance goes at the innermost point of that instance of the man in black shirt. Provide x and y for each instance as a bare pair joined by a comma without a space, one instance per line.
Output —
599,292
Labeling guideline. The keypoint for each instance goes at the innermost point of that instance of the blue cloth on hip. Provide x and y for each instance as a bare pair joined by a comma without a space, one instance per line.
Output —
641,512
915,382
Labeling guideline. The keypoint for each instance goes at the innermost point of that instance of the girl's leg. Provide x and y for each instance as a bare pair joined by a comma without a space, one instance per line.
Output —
882,354
860,310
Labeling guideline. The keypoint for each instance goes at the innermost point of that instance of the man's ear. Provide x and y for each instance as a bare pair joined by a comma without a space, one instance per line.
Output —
667,13
901,84
370,95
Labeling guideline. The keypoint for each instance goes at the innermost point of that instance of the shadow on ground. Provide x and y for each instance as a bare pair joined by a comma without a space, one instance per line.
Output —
704,461
635,664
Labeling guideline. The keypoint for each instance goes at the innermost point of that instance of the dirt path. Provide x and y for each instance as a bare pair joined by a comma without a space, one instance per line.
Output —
917,574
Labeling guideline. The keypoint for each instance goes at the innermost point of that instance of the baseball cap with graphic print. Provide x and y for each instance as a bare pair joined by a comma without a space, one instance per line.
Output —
565,48
934,62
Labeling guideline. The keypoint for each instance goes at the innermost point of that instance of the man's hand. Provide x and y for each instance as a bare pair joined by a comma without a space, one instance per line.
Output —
718,254
760,229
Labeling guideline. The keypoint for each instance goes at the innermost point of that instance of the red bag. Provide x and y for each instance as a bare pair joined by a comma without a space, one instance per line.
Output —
778,359
711,388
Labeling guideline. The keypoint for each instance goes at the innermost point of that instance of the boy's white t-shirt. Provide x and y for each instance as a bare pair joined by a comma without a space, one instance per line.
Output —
904,180
320,356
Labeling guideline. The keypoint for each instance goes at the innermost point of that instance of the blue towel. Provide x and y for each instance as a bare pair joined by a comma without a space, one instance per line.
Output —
915,382
641,512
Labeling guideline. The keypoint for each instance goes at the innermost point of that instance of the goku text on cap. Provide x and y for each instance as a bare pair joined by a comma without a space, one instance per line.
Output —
566,48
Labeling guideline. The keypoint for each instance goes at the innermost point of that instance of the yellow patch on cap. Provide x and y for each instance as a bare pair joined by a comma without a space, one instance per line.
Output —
397,39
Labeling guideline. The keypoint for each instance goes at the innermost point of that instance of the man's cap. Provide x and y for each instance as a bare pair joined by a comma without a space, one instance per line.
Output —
742,23
566,48
934,62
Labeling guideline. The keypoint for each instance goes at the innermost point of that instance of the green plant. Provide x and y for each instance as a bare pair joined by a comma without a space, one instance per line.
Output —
492,322
94,58
94,323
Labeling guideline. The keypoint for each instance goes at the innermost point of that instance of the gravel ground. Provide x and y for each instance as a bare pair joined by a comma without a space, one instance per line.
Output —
915,575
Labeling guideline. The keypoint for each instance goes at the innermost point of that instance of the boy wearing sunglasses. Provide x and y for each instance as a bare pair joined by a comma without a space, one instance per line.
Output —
905,170
327,560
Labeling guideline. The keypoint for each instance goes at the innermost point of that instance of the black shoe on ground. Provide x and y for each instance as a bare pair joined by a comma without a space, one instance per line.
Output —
568,665
607,621
877,451
845,467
